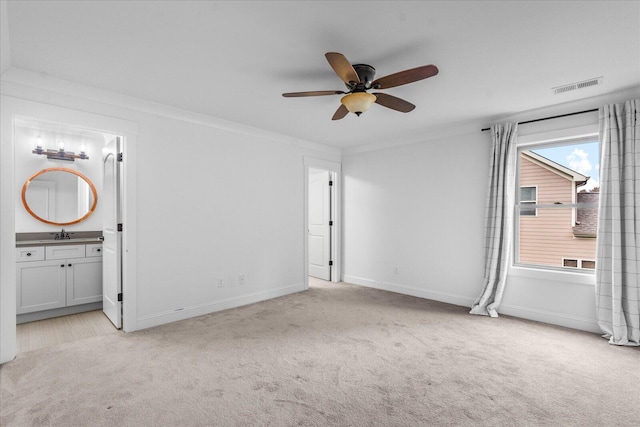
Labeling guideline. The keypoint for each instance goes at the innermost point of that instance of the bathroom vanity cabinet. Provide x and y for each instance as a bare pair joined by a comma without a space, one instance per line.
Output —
56,276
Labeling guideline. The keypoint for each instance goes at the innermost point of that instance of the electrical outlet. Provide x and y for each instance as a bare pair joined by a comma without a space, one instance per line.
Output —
221,283
241,279
396,270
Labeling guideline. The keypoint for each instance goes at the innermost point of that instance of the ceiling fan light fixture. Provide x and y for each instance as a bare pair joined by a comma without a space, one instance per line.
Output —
358,102
359,78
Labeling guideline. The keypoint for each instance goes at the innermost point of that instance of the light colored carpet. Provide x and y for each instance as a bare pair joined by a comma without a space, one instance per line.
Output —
336,355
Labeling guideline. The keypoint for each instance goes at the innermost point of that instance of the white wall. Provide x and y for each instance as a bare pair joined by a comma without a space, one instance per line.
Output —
420,208
208,199
5,46
215,204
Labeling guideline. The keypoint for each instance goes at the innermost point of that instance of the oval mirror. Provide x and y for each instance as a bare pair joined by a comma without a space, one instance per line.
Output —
59,196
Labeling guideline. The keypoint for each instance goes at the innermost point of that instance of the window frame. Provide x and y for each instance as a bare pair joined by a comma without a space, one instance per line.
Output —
547,140
533,202
579,263
564,260
582,261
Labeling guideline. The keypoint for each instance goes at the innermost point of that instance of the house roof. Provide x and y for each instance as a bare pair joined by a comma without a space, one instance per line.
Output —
557,168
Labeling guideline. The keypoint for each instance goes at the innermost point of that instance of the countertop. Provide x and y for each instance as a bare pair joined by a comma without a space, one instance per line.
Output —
48,239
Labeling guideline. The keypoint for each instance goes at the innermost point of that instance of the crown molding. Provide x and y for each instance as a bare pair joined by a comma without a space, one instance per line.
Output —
473,128
32,86
428,135
568,107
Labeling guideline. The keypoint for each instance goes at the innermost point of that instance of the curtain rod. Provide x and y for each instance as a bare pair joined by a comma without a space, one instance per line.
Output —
552,117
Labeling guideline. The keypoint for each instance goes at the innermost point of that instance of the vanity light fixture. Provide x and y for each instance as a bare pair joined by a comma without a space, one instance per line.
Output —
60,154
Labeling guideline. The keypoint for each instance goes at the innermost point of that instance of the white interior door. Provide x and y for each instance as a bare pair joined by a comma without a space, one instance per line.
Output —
112,245
319,224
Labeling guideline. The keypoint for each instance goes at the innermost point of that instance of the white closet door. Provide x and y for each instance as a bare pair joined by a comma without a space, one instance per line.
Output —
112,246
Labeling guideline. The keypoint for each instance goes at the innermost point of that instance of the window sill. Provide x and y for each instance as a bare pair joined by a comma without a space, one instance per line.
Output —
573,277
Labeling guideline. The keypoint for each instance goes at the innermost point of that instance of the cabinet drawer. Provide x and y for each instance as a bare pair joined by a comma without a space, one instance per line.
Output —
65,251
32,253
94,250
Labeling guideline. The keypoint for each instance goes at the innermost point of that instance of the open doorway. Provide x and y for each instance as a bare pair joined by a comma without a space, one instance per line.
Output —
11,183
322,224
59,230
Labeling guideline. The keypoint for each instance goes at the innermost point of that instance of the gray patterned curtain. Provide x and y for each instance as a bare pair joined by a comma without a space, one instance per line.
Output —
498,232
618,252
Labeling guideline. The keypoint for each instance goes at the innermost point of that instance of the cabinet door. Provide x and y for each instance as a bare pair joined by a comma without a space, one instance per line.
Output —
41,285
84,280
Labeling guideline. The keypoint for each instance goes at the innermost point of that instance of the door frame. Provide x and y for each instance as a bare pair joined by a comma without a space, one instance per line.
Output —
335,169
16,108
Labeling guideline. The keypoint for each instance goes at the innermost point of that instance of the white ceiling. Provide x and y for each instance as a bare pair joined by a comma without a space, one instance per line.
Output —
233,60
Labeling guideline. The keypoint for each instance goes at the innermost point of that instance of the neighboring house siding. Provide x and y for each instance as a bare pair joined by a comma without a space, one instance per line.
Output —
548,237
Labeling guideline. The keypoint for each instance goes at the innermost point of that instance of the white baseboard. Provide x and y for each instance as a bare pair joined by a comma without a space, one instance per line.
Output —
553,318
405,290
558,319
212,307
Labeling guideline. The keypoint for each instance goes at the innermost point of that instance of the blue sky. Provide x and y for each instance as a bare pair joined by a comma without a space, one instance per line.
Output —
583,158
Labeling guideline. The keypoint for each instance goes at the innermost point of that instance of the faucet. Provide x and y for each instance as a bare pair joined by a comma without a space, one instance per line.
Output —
62,235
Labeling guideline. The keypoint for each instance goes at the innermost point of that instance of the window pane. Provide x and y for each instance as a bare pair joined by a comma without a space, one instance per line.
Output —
557,214
528,194
588,264
527,211
548,239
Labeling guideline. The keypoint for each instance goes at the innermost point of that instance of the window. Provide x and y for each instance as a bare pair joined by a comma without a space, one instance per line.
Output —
528,196
591,265
556,212
583,263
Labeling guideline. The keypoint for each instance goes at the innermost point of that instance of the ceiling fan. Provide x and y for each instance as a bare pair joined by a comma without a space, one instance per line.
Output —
359,79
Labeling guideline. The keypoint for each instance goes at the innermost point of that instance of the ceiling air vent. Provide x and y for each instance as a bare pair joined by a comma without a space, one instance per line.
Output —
579,85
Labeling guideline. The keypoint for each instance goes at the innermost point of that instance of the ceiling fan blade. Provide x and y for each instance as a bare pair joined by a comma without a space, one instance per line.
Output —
340,112
404,77
312,93
394,102
342,67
